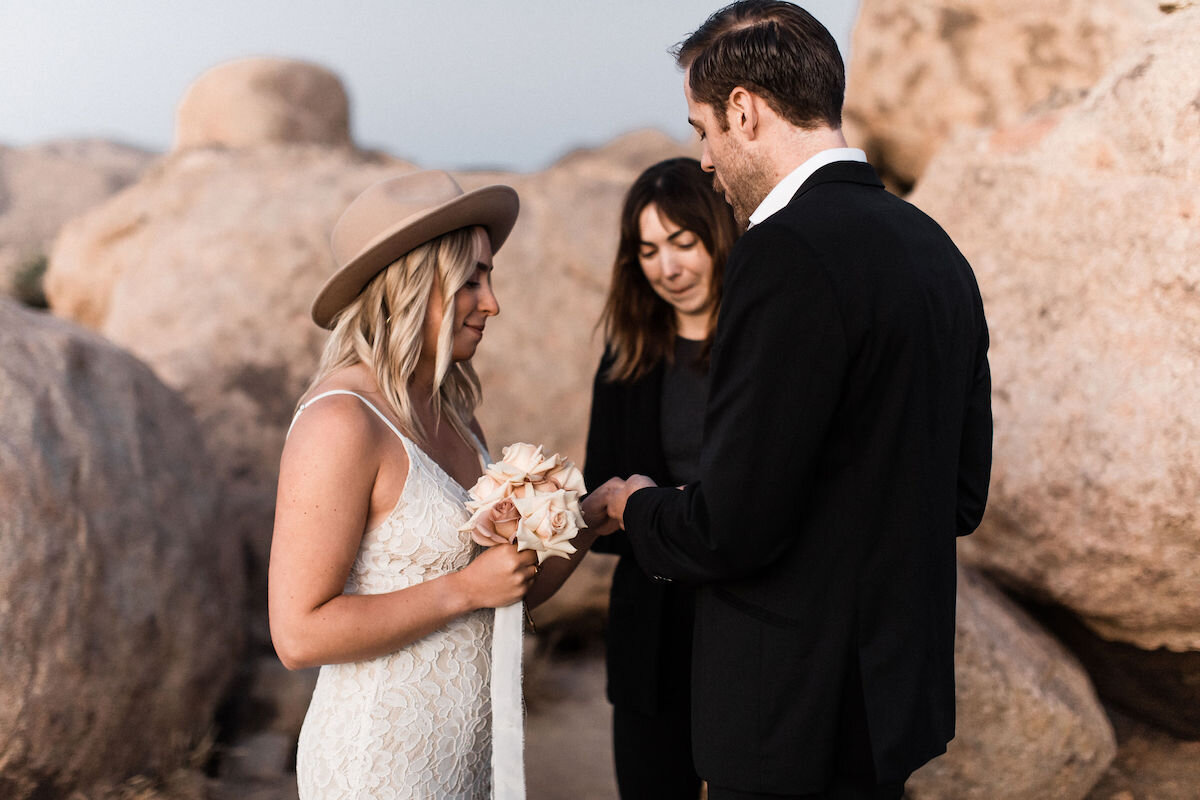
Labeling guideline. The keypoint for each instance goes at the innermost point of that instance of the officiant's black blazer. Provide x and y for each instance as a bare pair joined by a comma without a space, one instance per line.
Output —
648,638
847,443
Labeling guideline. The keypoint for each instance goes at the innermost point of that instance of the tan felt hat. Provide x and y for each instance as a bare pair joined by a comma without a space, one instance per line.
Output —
396,215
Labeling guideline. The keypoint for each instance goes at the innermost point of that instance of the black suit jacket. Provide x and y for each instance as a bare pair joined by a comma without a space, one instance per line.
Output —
648,650
847,443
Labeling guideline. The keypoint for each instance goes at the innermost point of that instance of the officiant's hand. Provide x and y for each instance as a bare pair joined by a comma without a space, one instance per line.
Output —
618,499
595,507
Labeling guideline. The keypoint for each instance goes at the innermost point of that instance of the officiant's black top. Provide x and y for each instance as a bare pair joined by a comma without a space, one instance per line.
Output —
847,441
651,426
684,392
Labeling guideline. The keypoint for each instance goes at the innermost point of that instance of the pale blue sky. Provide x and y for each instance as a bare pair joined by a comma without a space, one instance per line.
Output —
506,83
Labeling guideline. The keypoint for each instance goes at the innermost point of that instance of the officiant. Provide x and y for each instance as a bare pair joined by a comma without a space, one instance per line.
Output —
647,416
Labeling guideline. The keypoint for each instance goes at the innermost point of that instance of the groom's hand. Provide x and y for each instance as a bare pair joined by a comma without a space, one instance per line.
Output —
616,503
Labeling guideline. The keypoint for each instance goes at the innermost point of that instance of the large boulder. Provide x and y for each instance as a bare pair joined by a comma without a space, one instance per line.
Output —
1028,721
1159,686
1150,765
44,185
921,70
263,101
117,588
1082,226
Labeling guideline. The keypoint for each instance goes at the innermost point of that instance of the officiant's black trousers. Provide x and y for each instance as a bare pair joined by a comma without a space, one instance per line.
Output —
653,755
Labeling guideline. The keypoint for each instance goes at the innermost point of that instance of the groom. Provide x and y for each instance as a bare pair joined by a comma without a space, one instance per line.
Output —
848,440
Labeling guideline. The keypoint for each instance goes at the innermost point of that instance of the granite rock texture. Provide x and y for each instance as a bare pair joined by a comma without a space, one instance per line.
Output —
919,71
44,185
119,593
253,102
1083,226
1028,720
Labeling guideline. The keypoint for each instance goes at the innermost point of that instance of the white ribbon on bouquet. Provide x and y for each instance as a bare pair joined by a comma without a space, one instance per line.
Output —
508,707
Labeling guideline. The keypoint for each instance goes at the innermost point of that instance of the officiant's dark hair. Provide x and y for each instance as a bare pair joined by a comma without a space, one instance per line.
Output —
776,50
639,326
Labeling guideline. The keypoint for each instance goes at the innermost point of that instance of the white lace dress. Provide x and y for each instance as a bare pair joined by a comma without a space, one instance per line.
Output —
415,723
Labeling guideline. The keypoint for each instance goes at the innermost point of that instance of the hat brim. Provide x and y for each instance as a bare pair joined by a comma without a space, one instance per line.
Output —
494,208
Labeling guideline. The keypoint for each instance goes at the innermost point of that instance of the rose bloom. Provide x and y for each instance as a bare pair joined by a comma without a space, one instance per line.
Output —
555,523
487,490
530,497
507,474
502,519
567,476
548,523
522,456
494,523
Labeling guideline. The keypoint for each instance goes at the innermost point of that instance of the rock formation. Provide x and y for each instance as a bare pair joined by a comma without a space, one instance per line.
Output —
1149,765
261,101
41,187
118,591
1082,228
921,70
1160,686
1028,721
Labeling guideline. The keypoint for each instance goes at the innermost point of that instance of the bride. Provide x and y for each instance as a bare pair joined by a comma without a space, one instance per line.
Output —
369,575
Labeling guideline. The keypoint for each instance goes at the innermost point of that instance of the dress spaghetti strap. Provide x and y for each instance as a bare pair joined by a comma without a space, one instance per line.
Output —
366,402
480,450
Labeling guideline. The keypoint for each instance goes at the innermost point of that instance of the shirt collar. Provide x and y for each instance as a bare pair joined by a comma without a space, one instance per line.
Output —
783,192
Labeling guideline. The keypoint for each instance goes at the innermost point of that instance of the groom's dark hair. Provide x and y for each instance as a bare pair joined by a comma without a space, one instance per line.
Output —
775,49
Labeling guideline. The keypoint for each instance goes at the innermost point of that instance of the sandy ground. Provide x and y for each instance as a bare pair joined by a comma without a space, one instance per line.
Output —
568,749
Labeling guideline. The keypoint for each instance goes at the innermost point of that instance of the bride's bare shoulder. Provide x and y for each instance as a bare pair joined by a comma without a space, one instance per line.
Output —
337,421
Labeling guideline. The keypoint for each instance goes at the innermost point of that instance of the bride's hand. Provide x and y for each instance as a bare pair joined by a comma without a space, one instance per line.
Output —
499,576
595,507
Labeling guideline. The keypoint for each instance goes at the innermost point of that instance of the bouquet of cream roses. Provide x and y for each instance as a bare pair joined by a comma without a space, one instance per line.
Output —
530,498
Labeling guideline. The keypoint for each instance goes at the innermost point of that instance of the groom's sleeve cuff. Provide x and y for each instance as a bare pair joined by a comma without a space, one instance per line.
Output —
640,514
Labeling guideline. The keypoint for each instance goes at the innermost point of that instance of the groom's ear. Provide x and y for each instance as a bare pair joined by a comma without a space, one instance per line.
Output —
742,112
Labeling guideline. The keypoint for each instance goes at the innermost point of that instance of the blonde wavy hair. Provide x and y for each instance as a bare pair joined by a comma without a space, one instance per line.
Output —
382,329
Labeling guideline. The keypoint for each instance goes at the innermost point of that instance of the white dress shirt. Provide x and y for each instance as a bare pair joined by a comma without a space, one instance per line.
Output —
783,192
